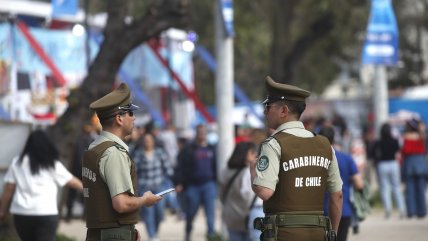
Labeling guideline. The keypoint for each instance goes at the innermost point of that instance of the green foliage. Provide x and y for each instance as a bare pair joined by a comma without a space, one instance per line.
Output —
61,237
308,44
251,46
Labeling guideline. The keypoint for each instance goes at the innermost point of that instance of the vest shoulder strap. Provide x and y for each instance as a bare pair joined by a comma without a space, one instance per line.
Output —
100,148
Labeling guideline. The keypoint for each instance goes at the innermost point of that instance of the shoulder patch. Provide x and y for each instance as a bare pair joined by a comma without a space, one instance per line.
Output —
262,163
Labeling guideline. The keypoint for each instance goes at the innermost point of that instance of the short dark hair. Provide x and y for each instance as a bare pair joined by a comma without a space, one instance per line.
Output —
328,132
107,122
295,107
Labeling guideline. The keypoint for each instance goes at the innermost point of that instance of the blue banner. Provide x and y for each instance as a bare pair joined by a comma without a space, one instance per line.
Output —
142,64
226,8
381,44
64,7
66,50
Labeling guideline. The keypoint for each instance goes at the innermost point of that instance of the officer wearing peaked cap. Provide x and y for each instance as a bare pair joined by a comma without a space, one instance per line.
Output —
294,169
277,92
115,102
109,174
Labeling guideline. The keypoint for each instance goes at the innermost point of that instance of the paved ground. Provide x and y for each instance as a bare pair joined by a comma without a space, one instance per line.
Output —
375,228
172,229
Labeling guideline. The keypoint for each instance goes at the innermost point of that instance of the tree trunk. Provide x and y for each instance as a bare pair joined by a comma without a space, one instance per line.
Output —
290,44
120,37
282,22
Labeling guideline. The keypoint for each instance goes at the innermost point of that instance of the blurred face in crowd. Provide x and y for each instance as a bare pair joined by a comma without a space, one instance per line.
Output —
148,141
201,134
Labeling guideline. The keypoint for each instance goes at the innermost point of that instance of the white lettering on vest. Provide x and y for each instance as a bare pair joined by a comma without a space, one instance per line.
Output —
305,161
89,174
299,182
285,166
85,192
313,181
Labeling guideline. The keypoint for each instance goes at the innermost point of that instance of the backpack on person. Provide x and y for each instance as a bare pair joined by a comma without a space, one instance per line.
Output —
360,200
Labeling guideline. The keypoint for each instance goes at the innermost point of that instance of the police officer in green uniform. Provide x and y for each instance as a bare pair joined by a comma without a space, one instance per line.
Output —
108,173
294,169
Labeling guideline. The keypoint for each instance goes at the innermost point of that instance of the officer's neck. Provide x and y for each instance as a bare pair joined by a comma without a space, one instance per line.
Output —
117,132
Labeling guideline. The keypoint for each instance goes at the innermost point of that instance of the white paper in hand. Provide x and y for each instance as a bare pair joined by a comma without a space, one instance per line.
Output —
165,192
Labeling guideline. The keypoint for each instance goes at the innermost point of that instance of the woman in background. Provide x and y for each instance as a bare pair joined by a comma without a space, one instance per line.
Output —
386,153
31,189
414,168
152,169
240,205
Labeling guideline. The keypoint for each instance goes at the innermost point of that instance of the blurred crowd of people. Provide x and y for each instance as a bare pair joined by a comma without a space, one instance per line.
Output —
165,159
396,158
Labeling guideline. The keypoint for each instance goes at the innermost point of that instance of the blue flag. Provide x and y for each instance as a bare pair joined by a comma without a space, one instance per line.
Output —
226,8
381,44
64,7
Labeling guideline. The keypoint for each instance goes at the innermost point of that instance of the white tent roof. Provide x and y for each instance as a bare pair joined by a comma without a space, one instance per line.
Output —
417,92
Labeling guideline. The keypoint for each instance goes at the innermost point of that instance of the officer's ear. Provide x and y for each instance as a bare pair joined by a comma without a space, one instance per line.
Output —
285,110
118,119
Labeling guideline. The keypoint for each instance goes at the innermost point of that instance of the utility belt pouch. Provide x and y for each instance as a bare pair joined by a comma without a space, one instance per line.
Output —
332,235
118,234
268,227
258,224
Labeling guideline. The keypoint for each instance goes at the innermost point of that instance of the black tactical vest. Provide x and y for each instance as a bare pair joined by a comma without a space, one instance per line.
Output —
99,211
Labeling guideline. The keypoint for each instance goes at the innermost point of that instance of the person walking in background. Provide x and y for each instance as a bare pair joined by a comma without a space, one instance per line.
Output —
386,153
414,168
152,169
85,138
289,175
170,145
236,194
351,179
31,188
109,174
197,177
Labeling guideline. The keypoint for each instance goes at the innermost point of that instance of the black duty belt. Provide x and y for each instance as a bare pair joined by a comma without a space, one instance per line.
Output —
95,233
292,220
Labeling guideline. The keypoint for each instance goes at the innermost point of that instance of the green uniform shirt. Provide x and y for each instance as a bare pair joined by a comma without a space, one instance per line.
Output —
115,164
267,170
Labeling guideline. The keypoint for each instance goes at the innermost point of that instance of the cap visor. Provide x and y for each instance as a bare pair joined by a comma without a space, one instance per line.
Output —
134,107
265,101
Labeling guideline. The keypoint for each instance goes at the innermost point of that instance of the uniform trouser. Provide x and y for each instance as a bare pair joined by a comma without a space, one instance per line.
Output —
36,228
301,234
123,233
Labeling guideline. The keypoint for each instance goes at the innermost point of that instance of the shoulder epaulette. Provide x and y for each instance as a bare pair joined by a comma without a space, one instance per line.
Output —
119,147
267,140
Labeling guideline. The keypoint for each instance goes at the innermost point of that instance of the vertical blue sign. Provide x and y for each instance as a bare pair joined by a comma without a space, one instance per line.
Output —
226,8
64,7
381,44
